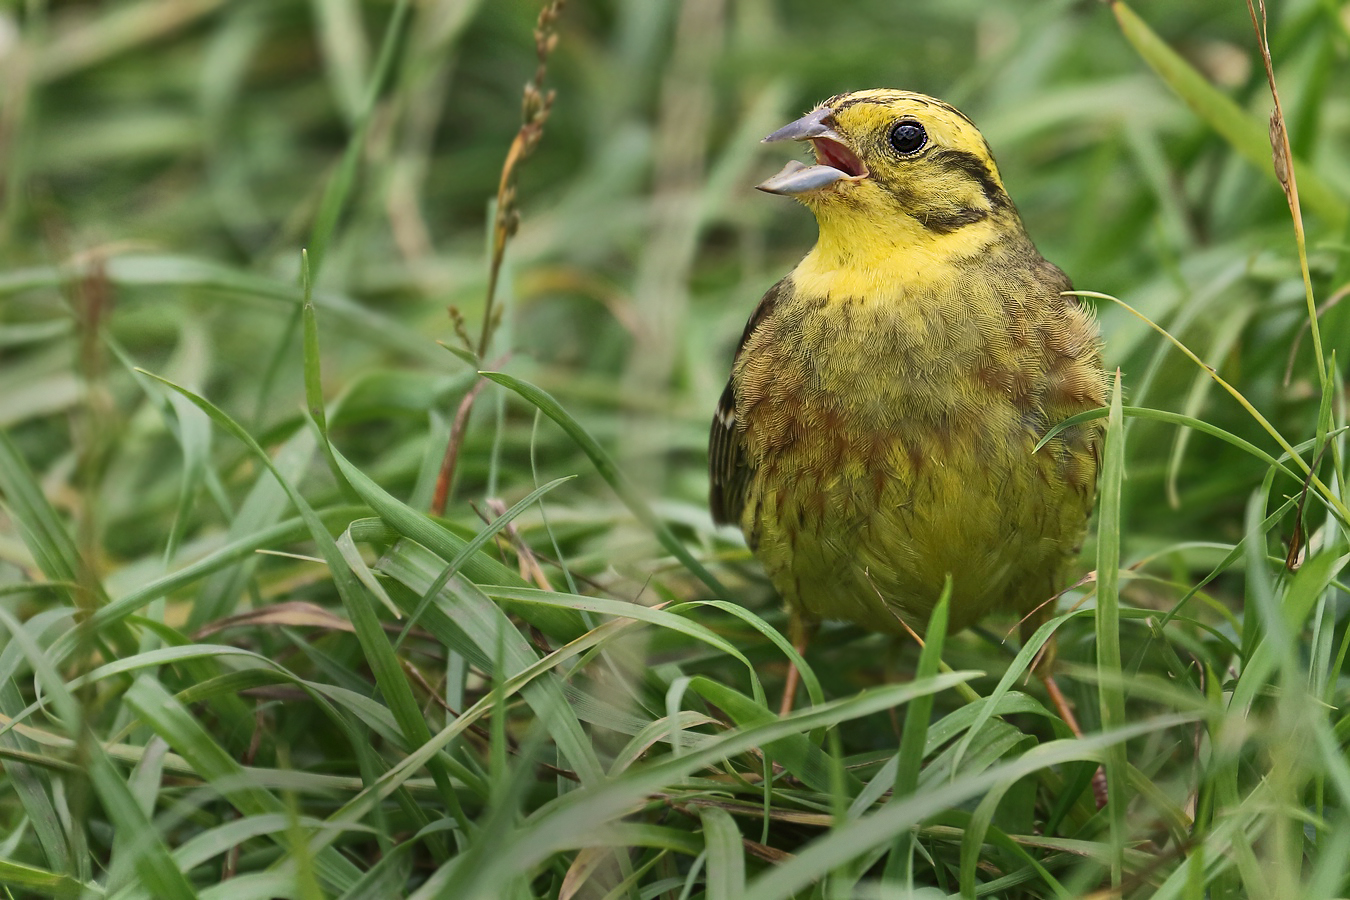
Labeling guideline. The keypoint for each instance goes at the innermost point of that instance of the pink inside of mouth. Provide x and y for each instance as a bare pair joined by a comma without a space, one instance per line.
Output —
836,155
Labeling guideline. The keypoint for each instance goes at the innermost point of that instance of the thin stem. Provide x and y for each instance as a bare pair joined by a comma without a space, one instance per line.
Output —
1284,171
1342,512
446,477
536,104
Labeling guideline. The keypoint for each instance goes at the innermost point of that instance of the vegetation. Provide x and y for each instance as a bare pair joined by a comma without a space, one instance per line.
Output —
241,658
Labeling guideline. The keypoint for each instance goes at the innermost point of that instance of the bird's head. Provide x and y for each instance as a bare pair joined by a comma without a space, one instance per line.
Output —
893,159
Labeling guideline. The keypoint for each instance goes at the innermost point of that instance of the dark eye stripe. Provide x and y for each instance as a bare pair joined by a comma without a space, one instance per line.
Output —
975,168
945,221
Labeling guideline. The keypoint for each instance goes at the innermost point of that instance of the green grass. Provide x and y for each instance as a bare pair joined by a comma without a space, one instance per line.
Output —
241,659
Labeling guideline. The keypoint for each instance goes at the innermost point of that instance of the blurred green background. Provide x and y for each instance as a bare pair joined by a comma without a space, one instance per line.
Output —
164,163
184,146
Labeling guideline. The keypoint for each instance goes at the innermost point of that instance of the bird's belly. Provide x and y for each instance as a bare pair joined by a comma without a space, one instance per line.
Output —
867,524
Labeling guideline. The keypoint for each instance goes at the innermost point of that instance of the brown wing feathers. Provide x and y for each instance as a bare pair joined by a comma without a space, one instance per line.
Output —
728,469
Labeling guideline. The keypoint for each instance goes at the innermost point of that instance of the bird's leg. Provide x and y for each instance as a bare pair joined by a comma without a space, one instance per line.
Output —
1060,702
1045,668
799,632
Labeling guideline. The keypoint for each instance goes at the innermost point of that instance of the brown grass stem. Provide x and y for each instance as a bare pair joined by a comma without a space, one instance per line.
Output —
536,104
1284,171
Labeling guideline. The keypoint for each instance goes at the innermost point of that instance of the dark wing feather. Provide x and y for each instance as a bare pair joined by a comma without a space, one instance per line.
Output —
729,471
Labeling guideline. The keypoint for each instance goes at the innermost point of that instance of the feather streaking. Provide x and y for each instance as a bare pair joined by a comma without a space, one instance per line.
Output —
876,434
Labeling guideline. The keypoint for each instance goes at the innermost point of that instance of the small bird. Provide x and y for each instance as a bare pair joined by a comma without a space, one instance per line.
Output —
878,431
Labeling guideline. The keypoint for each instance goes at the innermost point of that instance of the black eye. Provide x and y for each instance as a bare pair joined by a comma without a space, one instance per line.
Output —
908,138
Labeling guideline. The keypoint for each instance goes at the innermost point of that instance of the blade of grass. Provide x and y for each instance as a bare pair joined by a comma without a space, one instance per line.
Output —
796,753
262,506
379,653
359,806
563,822
148,854
609,470
339,187
1173,418
726,859
241,549
1108,625
1226,336
43,883
479,541
313,372
914,736
1286,169
979,830
838,846
215,280
808,675
41,528
168,718
467,621
30,786
1330,497
478,568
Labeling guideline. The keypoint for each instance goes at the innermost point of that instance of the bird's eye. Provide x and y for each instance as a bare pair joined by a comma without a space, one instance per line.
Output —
908,138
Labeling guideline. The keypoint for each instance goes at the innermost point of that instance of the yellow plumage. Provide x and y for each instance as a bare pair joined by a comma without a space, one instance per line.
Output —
877,431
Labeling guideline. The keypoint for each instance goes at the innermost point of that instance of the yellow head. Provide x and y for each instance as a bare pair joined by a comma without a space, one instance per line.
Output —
907,168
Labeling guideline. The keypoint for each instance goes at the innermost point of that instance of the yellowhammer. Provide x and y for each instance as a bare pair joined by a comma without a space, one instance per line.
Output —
877,431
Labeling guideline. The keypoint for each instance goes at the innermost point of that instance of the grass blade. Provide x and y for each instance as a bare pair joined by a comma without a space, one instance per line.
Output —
379,653
726,859
1108,625
609,470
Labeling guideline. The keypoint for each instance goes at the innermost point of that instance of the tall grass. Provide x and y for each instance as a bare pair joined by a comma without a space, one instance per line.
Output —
241,659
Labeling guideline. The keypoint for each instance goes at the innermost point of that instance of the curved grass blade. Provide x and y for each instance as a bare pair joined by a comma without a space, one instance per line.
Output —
621,609
809,679
559,825
262,507
479,568
384,664
41,528
609,470
42,882
856,837
339,187
362,804
979,829
1162,415
797,754
1330,497
1225,337
914,736
238,550
168,718
149,856
473,546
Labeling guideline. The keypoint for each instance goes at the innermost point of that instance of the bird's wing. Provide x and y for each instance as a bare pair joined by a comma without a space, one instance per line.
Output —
728,469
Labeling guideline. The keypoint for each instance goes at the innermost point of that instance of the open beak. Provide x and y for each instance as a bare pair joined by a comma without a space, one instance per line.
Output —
835,161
